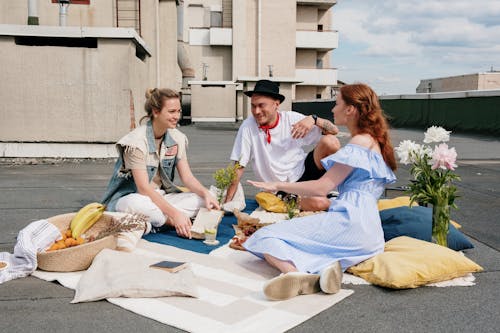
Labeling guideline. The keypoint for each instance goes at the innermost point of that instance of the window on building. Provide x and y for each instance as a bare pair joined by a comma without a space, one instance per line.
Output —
216,19
318,96
128,14
196,16
319,63
320,27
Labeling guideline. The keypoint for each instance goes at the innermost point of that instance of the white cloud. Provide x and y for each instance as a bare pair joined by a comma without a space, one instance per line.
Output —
413,40
392,79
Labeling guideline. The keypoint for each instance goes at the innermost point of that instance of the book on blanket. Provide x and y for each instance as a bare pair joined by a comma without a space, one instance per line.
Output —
170,266
206,219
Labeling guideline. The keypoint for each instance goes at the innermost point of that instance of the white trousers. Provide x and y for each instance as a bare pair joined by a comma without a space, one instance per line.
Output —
187,202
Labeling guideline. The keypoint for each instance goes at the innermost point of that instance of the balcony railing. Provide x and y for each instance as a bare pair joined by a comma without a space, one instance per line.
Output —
316,77
221,36
323,4
319,40
211,36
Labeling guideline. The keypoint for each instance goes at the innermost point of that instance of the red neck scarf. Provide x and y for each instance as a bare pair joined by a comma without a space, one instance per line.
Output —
267,128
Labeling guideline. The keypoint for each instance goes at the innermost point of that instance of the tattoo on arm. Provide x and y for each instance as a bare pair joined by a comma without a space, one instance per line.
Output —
328,127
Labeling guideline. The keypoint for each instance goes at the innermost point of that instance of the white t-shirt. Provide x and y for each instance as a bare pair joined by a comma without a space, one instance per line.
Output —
280,160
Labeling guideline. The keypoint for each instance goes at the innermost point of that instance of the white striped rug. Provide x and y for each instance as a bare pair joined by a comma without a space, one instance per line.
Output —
231,298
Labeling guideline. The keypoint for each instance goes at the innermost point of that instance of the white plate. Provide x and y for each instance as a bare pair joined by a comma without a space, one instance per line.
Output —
215,242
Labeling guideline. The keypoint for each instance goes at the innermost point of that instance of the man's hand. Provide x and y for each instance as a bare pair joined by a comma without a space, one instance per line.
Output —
301,128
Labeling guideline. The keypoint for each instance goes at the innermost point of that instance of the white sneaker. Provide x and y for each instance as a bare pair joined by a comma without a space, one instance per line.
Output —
331,278
290,285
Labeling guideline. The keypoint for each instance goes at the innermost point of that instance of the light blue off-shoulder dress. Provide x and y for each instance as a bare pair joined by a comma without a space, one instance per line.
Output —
349,232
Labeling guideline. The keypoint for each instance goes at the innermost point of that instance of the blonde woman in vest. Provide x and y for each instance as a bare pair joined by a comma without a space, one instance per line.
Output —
142,181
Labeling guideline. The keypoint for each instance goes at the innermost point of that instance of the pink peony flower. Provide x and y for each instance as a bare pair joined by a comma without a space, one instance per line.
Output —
443,157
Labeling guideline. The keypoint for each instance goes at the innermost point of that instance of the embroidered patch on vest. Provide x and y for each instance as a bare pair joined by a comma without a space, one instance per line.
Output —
171,151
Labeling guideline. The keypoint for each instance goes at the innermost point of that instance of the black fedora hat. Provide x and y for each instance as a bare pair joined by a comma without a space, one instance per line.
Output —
266,87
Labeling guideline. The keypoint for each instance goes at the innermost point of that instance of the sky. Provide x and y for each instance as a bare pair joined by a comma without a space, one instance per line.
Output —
393,44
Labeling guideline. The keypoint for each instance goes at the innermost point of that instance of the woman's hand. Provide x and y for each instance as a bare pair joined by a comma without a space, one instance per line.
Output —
267,187
181,223
210,201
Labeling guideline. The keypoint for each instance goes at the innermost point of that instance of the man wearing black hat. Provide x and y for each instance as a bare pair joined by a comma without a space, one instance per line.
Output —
273,140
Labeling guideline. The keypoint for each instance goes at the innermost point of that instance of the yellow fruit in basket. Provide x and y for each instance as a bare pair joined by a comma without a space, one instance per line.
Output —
83,212
85,218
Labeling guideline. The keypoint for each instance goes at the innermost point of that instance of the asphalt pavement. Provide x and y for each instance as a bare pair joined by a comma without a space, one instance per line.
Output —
34,189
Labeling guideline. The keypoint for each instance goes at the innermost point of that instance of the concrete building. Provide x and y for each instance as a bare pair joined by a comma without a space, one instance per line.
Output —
229,40
477,81
74,79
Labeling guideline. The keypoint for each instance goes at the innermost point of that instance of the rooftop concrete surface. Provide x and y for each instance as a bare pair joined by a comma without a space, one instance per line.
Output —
34,189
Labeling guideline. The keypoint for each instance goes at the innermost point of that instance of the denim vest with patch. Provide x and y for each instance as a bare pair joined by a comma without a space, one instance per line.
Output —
122,181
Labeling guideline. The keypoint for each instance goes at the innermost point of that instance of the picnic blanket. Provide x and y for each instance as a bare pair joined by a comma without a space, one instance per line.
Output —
225,232
231,297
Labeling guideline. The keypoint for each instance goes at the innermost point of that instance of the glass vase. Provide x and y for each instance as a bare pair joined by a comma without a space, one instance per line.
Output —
440,223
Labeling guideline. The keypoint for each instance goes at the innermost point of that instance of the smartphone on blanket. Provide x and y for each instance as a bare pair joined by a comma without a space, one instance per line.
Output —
170,266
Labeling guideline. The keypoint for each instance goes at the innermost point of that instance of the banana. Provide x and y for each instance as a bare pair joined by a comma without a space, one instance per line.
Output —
85,218
83,211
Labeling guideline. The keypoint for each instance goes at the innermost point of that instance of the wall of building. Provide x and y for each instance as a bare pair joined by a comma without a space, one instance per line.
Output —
244,38
165,57
307,18
489,81
218,59
305,93
278,48
96,14
325,18
222,97
70,94
103,14
306,58
476,81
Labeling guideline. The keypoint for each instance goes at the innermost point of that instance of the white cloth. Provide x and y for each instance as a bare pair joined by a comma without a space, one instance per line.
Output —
187,202
34,238
280,160
238,201
230,296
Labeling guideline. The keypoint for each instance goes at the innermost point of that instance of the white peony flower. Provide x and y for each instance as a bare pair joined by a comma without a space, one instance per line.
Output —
436,134
421,151
404,150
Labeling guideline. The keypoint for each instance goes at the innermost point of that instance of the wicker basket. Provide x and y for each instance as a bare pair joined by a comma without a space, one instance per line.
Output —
76,258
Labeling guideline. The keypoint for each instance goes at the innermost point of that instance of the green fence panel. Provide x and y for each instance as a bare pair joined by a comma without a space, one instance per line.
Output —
469,114
479,115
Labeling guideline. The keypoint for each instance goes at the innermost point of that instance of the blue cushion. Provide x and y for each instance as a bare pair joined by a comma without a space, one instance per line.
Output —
416,222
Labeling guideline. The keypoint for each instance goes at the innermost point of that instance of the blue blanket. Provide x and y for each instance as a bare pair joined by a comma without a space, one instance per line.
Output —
224,233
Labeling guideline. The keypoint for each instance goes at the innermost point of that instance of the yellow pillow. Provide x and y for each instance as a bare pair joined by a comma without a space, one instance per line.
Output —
270,202
394,203
403,201
409,263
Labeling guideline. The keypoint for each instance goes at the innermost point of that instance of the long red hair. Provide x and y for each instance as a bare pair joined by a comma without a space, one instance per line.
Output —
371,118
